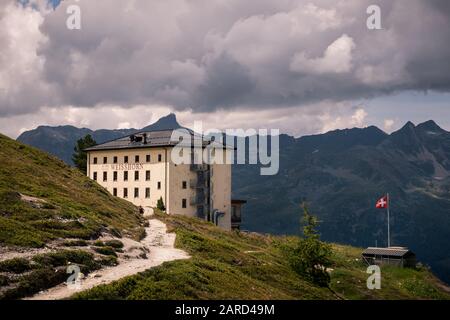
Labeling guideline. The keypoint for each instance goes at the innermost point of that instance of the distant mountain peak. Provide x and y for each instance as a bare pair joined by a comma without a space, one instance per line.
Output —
409,124
430,125
407,129
164,123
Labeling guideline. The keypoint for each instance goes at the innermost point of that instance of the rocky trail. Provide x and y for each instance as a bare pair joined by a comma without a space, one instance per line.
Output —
158,246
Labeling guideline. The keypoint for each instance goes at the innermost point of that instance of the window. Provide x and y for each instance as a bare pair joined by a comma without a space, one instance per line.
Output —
115,192
147,193
105,176
115,159
159,185
159,157
115,176
105,160
125,192
136,159
147,158
184,185
125,176
136,192
136,175
95,176
184,203
95,160
125,159
147,175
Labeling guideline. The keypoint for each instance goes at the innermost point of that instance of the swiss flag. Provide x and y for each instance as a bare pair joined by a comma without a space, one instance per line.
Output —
383,203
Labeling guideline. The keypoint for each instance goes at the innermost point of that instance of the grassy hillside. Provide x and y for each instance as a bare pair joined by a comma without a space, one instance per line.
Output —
229,265
43,199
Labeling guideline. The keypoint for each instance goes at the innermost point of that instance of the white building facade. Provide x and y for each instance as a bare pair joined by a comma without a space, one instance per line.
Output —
139,168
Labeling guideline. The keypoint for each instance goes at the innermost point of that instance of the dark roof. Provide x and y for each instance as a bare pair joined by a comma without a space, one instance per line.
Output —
392,251
154,139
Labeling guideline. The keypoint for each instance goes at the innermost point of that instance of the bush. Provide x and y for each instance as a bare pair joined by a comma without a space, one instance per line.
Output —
3,281
65,257
16,265
75,243
142,234
99,243
107,251
116,232
36,281
116,244
108,261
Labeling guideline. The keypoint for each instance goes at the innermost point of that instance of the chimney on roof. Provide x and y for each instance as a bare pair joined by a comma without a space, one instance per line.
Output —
145,138
132,138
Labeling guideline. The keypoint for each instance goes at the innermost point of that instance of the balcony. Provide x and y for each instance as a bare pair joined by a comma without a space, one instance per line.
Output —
198,199
199,167
197,183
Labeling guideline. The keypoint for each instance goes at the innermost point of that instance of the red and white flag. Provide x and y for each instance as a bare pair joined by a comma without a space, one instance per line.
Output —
383,203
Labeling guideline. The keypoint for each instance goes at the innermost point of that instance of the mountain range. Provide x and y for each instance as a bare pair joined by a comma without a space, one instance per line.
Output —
340,174
52,216
61,140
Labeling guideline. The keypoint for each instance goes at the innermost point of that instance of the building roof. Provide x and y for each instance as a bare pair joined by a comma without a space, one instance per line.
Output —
153,139
392,251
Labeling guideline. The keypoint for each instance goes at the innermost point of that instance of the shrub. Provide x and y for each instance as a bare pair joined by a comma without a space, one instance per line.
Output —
36,281
142,234
75,243
109,261
16,265
116,244
3,281
116,232
65,257
99,243
107,251
48,206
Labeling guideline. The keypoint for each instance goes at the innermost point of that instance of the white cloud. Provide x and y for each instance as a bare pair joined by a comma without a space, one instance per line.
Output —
388,124
21,83
337,58
333,120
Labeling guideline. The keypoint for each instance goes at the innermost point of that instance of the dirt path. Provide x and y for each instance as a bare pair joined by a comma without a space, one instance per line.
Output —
158,242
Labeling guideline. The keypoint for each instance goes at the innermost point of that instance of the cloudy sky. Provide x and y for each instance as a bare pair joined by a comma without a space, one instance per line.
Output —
303,66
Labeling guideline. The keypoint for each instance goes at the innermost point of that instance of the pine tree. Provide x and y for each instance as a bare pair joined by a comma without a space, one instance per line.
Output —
311,257
160,204
79,156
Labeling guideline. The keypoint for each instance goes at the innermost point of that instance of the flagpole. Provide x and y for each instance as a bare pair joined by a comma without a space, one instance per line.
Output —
388,218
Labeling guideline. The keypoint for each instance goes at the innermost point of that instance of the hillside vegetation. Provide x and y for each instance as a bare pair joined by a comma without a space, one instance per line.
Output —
50,217
230,265
43,199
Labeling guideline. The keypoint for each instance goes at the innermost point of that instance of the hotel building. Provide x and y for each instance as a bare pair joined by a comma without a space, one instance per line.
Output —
139,168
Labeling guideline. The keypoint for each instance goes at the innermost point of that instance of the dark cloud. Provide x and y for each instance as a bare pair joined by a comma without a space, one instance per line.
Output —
208,55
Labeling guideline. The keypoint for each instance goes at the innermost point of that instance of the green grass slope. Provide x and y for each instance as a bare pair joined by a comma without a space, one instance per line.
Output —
60,202
229,265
